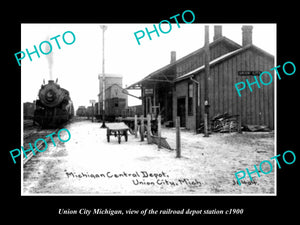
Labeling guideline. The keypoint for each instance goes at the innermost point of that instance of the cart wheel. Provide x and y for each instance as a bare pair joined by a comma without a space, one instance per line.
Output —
108,138
119,139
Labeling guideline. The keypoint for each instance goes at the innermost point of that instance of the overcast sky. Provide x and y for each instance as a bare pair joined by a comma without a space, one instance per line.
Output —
78,65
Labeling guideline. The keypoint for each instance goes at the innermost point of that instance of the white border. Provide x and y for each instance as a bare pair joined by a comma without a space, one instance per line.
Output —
194,195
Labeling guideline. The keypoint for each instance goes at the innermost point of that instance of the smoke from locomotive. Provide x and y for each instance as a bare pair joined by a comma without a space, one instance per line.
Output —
54,106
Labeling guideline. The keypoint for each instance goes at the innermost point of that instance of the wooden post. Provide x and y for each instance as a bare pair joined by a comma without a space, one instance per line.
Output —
142,128
205,126
135,126
159,131
178,144
239,124
206,79
148,128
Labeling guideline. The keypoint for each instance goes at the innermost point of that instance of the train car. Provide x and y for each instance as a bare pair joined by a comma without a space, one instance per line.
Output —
54,106
113,109
81,111
131,111
28,110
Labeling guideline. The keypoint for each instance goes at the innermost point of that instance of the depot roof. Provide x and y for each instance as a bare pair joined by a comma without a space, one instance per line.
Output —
167,74
221,59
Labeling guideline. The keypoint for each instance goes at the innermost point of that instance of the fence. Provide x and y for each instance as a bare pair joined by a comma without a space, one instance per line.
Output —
151,129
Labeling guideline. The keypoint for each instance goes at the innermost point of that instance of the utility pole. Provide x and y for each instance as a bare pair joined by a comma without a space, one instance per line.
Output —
92,102
103,27
178,143
206,88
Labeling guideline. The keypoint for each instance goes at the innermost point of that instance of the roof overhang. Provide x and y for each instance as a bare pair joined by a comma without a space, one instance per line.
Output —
163,75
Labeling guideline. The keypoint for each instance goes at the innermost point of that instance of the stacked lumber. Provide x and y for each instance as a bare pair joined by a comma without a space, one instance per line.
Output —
225,123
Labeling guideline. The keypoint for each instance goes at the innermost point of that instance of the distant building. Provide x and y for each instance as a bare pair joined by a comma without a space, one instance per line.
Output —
89,111
81,111
116,98
110,79
173,89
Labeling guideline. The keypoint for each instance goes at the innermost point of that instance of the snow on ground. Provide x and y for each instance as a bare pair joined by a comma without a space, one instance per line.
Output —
218,157
88,164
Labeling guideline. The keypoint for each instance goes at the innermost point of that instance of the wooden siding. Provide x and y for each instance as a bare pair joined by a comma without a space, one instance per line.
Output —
220,48
256,107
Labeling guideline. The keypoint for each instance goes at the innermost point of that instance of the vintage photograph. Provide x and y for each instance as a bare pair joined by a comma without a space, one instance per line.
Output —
148,109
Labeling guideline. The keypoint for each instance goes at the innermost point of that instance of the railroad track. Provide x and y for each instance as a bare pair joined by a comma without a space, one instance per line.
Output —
28,134
33,132
31,136
27,124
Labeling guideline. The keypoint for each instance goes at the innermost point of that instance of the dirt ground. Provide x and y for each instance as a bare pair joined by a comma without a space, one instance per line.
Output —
88,164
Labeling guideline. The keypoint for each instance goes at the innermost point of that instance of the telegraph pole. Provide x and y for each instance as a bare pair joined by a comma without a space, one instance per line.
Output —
103,27
206,88
92,102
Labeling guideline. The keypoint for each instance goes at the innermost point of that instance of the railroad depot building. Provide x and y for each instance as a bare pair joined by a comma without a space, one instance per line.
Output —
177,89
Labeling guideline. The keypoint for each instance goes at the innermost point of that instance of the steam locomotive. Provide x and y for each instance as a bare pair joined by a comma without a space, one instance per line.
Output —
54,106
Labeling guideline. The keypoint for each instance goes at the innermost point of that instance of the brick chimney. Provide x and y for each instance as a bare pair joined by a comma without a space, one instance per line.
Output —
218,32
247,35
173,56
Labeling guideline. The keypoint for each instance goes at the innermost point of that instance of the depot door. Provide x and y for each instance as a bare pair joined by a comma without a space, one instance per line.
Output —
181,110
